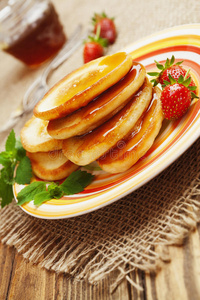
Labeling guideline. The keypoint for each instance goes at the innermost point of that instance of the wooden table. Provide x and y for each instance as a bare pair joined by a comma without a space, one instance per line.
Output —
179,279
19,279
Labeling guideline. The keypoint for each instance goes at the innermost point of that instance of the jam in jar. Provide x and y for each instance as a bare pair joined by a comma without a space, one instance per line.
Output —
30,31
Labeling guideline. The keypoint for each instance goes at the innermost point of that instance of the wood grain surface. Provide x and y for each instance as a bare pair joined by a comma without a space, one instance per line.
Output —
178,279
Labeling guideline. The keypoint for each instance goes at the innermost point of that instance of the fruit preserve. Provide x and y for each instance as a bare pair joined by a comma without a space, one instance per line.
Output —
31,31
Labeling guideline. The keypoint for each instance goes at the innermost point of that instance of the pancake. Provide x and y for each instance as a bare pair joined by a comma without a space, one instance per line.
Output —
101,109
130,149
51,165
85,149
35,138
81,86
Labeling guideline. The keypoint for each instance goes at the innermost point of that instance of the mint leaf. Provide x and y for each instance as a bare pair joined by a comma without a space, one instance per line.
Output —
55,191
70,187
38,192
24,171
20,151
28,193
41,197
7,175
76,182
83,177
5,159
10,142
93,167
14,154
6,193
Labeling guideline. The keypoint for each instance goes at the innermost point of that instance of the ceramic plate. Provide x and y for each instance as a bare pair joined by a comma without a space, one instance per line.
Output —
174,138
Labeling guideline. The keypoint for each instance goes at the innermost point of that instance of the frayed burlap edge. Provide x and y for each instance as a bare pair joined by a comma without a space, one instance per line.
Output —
161,213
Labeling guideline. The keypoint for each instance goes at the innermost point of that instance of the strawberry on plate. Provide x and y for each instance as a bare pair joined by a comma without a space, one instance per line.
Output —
107,27
169,68
176,96
94,47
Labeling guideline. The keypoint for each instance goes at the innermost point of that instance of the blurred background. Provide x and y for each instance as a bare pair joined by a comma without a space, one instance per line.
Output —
133,19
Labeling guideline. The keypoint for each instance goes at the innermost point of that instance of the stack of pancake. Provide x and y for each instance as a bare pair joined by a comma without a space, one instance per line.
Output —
106,111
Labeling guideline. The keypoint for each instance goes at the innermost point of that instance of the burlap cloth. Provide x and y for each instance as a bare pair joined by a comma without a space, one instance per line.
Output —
127,232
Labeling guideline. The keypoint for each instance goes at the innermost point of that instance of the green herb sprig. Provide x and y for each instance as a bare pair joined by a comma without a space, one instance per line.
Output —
38,191
41,191
13,155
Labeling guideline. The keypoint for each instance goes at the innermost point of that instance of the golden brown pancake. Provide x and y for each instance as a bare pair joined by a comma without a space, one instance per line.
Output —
81,86
85,149
130,149
51,165
101,109
35,138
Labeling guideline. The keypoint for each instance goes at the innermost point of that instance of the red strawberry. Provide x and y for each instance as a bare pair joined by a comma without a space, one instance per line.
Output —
107,26
176,97
175,100
94,47
92,50
174,69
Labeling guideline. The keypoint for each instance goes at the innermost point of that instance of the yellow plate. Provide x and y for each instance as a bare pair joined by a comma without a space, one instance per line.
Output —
174,138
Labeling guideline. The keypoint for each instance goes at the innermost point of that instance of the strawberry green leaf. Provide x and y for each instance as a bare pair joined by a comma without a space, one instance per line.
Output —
192,88
187,81
155,82
153,73
159,66
172,60
172,80
179,63
167,63
180,79
186,75
101,41
166,82
193,95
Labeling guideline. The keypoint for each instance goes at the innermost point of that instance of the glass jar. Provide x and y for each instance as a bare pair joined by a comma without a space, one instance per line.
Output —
30,30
